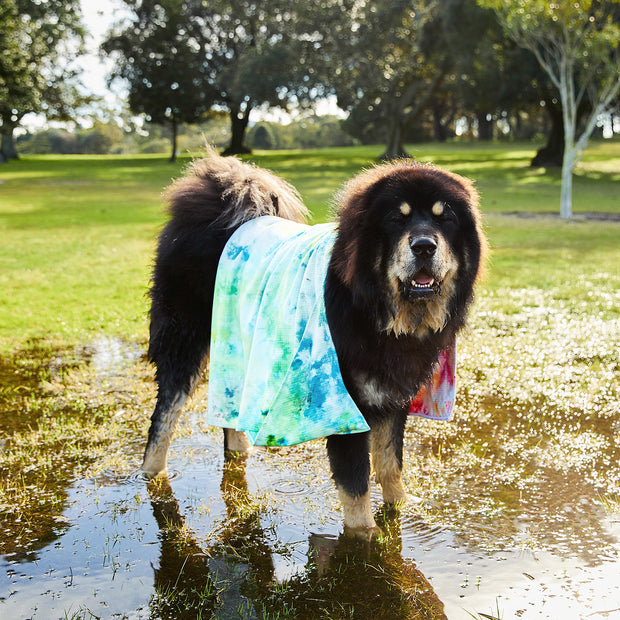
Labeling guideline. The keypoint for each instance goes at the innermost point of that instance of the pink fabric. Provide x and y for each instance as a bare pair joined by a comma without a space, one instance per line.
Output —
435,400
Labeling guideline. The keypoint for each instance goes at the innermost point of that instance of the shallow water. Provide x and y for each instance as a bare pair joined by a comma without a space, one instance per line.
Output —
513,509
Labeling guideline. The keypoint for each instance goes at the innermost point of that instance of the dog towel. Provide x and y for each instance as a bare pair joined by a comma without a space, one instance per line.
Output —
273,369
435,400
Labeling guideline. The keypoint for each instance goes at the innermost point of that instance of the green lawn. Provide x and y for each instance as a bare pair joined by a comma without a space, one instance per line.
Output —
78,232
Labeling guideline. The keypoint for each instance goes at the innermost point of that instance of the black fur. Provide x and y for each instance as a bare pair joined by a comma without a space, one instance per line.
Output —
388,331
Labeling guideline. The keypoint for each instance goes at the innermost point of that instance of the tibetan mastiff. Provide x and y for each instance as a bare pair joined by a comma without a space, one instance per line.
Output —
407,253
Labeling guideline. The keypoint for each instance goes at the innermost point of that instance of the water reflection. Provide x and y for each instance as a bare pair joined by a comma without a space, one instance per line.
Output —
343,576
515,499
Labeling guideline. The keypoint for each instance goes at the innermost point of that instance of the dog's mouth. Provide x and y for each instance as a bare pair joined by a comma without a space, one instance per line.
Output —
422,285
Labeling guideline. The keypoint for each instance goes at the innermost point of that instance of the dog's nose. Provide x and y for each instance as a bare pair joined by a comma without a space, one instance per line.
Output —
421,246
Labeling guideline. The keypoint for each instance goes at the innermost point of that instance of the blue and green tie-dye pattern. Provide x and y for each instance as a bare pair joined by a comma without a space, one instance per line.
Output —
273,369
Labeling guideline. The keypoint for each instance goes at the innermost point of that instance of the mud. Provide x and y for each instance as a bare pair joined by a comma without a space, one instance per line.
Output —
514,508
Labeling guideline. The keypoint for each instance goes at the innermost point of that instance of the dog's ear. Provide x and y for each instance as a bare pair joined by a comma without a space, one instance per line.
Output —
354,222
344,257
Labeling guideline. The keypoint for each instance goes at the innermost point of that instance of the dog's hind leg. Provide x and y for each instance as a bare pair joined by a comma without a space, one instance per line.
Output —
350,464
236,441
386,449
163,424
178,349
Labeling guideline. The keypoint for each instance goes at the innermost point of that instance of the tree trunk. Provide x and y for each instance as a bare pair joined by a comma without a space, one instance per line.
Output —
238,126
7,145
552,154
395,148
399,123
439,127
566,193
173,139
485,127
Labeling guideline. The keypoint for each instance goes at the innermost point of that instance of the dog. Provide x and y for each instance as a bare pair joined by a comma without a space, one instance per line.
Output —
406,252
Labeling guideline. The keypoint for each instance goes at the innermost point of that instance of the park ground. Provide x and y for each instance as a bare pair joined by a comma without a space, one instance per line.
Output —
514,510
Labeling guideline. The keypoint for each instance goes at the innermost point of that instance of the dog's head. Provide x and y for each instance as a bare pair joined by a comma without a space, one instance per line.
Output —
409,246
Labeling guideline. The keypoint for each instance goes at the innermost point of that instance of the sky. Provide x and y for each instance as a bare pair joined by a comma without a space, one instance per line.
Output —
98,17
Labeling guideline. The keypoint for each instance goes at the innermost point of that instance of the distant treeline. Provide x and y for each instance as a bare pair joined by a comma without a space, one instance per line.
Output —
108,137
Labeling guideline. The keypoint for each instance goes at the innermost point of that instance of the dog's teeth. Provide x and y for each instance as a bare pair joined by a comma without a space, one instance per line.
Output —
427,285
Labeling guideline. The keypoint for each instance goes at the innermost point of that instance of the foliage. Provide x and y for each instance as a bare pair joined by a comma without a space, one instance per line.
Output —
237,56
107,137
384,81
577,45
308,132
36,38
435,51
100,139
167,77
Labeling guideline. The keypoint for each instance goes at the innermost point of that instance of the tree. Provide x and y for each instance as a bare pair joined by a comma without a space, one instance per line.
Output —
168,80
392,60
385,62
34,37
240,54
577,45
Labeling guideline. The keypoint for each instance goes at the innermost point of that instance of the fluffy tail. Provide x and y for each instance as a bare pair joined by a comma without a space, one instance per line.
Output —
228,192
207,205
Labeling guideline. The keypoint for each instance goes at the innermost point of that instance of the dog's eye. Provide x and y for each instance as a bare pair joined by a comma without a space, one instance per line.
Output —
442,211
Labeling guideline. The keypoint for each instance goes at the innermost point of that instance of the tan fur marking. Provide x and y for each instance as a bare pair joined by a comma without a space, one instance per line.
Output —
237,441
156,454
357,511
434,315
385,465
438,208
400,324
405,208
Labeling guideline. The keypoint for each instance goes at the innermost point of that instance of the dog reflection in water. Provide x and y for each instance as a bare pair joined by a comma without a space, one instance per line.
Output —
235,575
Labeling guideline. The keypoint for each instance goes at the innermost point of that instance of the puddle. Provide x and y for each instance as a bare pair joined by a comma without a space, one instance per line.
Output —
514,507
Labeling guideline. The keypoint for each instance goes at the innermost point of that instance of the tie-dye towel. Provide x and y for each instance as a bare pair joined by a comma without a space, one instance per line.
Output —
273,369
435,400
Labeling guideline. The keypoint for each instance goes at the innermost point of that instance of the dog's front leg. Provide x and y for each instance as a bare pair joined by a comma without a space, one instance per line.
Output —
236,441
350,464
386,449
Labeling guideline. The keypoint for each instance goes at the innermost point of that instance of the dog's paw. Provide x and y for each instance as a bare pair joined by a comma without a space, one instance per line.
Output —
396,501
154,463
236,441
357,512
394,493
365,533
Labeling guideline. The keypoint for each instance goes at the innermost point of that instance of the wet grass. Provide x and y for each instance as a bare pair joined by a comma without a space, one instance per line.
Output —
529,466
62,419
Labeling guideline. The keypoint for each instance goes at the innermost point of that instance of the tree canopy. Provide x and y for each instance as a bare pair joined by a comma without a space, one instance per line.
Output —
577,45
390,60
36,38
181,57
160,60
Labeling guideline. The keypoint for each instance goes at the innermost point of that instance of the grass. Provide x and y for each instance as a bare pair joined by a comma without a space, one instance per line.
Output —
79,232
